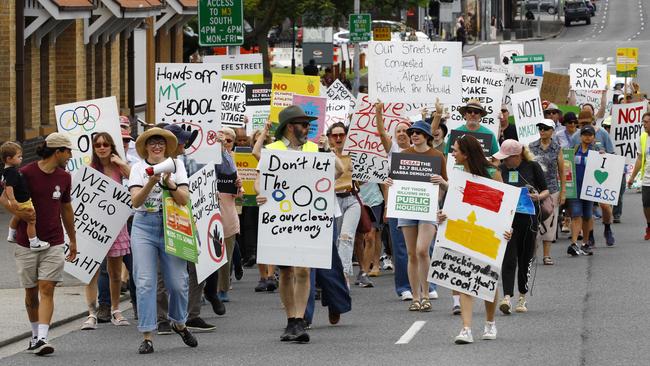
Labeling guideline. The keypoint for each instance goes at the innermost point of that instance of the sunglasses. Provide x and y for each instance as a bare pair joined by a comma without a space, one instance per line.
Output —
550,112
229,141
337,136
504,111
303,124
159,143
414,132
97,145
544,128
472,111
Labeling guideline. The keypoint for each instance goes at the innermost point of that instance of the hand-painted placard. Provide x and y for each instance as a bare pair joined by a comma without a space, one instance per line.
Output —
247,170
414,167
283,88
627,127
483,138
81,120
570,173
233,103
101,207
411,72
179,230
313,107
527,110
412,200
602,180
507,50
518,83
338,91
296,222
258,106
588,77
190,95
464,273
239,67
337,111
207,219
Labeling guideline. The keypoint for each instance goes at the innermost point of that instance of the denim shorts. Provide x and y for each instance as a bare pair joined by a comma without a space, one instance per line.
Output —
411,222
580,208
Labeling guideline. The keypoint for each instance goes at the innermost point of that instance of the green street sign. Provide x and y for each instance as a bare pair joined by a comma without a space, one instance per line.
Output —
221,22
360,28
527,59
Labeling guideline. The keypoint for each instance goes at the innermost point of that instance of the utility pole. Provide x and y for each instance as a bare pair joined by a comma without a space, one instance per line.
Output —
355,85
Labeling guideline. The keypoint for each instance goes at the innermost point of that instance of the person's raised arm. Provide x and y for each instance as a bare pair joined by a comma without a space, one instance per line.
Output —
386,140
437,116
257,149
603,105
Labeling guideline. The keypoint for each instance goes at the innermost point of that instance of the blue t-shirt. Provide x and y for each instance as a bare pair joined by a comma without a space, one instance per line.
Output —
580,160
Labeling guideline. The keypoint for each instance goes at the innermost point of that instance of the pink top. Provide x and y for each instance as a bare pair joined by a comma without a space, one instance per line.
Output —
229,217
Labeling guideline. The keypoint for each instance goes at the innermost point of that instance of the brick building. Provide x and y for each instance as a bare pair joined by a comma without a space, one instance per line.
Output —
71,50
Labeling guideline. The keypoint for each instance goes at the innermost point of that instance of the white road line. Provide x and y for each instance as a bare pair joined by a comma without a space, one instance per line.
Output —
411,332
475,47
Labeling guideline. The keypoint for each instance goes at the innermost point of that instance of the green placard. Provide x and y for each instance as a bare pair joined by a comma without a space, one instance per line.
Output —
527,59
221,22
570,173
360,28
179,229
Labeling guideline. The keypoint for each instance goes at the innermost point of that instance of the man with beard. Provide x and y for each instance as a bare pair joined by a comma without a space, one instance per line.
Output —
472,112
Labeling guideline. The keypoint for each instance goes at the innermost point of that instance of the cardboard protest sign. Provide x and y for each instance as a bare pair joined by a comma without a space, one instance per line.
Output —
602,180
207,218
412,200
479,210
337,111
414,167
80,120
101,207
189,95
527,109
283,88
487,87
588,77
296,222
555,88
338,91
483,138
411,72
178,229
258,106
313,107
233,103
570,173
239,67
247,171
627,127
518,83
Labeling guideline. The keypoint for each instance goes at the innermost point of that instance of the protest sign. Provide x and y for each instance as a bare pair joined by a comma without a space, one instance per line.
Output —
313,107
239,67
246,170
486,61
518,83
283,88
469,62
81,120
507,50
258,106
570,173
527,109
627,127
627,60
337,111
588,77
594,98
411,72
483,138
602,179
479,210
338,91
555,88
464,273
226,183
530,68
414,167
296,222
233,103
101,207
412,200
486,87
189,95
178,229
207,219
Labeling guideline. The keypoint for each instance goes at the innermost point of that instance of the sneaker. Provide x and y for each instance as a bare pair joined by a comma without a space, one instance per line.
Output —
456,310
299,334
489,331
617,219
217,306
586,250
591,242
609,238
39,246
406,296
521,305
288,331
647,234
186,336
271,284
465,336
261,286
573,250
146,347
505,306
387,264
357,281
433,295
239,272
42,348
32,345
164,328
565,228
223,296
11,238
199,325
333,316
104,313
364,281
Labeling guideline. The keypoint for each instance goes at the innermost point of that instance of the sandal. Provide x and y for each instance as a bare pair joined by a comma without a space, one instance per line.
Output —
548,261
415,306
118,319
426,305
90,323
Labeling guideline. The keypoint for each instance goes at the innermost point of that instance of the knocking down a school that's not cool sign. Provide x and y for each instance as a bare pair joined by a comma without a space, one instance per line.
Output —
101,207
470,246
415,72
296,222
527,109
602,180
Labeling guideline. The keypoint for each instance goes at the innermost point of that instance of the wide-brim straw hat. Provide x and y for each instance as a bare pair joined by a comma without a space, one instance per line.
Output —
473,104
170,139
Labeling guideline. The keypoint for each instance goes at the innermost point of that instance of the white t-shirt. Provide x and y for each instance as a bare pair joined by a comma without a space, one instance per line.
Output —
139,178
646,174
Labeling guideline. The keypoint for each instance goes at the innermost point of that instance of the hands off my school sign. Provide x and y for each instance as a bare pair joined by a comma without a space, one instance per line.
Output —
602,180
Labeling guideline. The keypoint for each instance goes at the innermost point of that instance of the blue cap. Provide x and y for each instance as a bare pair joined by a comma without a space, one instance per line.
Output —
421,126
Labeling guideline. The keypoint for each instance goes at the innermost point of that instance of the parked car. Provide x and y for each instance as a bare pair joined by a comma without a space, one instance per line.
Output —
575,11
549,6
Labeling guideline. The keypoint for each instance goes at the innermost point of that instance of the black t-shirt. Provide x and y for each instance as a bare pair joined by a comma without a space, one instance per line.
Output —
13,178
528,173
510,132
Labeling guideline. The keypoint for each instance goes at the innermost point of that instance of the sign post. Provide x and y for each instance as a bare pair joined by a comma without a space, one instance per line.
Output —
221,23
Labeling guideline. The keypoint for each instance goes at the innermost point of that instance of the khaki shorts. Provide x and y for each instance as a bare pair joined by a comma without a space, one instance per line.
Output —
45,265
27,205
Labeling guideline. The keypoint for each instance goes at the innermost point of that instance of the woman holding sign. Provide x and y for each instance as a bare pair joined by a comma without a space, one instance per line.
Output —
468,152
147,239
107,161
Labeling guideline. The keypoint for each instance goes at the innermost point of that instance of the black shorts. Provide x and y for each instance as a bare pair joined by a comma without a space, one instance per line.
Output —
645,196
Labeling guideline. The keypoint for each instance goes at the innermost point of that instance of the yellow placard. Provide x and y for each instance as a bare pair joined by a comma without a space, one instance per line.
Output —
246,169
254,78
381,34
284,86
627,59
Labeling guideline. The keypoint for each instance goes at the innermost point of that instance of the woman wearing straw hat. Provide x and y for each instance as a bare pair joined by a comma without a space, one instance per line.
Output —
147,243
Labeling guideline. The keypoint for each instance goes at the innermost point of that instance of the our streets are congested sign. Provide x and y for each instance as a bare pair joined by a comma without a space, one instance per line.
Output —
221,22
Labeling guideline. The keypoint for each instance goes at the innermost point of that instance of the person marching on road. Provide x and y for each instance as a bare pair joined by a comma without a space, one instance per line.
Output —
643,167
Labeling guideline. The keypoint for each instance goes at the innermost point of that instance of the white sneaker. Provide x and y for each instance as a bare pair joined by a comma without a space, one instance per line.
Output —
464,337
39,245
521,305
406,295
433,295
387,264
11,238
490,331
505,306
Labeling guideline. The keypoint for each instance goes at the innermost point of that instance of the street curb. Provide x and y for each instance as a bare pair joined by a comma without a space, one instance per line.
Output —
552,35
58,323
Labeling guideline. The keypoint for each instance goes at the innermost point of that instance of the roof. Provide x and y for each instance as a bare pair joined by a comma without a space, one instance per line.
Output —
189,4
74,4
135,5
